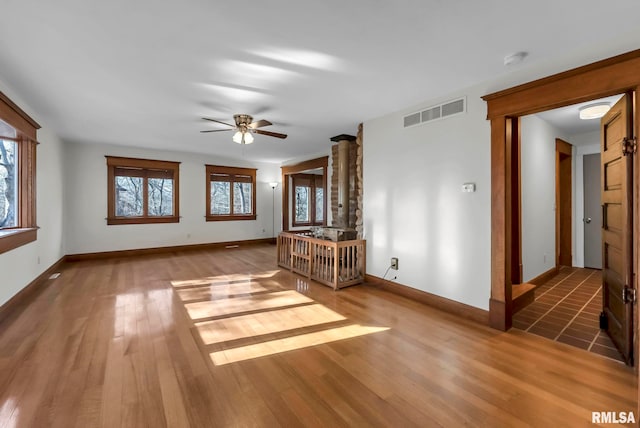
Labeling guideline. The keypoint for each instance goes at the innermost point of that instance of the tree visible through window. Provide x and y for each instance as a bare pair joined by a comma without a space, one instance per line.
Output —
8,179
308,206
231,193
303,204
142,191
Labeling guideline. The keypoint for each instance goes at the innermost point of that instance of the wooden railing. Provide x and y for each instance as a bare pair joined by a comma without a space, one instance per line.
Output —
336,264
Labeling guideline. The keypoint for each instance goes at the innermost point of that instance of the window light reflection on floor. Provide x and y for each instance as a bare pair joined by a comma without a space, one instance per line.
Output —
277,346
220,291
10,413
277,321
223,279
252,316
237,305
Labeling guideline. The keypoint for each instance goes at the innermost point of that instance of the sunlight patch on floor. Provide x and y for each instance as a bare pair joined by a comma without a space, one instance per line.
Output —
252,316
262,323
223,279
220,291
9,413
238,305
278,346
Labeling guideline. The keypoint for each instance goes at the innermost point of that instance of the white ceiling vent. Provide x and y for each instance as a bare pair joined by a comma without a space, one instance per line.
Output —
448,109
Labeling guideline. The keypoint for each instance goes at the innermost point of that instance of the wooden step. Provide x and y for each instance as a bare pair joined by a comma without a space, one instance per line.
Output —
522,295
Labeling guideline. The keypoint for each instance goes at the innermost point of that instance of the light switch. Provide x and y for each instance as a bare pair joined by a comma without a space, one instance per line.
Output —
469,187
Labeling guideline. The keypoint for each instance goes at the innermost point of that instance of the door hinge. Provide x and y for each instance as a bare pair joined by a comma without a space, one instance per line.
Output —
628,294
629,146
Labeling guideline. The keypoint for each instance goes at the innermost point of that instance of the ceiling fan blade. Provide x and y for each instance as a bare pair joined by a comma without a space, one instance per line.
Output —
259,124
217,130
217,121
270,134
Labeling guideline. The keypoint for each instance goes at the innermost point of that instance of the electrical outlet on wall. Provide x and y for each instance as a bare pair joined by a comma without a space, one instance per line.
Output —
394,263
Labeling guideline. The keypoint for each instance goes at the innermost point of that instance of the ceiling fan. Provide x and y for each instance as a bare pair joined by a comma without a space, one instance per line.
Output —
244,127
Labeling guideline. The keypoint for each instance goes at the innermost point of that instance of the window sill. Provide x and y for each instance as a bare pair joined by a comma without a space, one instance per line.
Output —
230,217
142,220
14,238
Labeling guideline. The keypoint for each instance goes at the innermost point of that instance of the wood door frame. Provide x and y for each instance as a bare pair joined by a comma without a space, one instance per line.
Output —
611,76
563,149
288,170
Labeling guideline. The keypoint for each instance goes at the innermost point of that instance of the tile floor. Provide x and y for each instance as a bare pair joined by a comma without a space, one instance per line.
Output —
566,309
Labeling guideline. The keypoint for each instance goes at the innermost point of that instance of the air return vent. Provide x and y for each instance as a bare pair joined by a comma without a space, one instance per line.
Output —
412,119
431,114
448,109
453,107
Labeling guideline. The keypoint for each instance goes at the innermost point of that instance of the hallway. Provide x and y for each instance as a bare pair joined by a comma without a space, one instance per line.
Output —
566,309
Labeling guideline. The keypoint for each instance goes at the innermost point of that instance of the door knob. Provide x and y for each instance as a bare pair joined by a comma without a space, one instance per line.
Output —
587,220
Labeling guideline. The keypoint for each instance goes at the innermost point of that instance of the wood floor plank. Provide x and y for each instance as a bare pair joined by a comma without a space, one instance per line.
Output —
218,338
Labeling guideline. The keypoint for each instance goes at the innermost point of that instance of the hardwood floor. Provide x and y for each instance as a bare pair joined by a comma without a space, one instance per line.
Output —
225,338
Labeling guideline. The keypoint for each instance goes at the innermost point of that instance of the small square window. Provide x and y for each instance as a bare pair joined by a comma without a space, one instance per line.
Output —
142,191
231,193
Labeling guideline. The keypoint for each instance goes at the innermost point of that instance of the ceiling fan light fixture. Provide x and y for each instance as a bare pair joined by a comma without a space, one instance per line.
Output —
237,137
241,137
245,127
594,111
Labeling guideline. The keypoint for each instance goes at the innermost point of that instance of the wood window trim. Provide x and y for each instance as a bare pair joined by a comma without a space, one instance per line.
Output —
116,162
26,138
313,185
231,171
287,171
608,77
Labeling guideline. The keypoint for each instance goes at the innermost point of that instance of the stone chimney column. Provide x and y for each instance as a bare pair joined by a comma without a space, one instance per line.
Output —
344,142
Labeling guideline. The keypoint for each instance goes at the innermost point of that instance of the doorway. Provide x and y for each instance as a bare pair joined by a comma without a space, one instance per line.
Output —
607,77
564,198
611,235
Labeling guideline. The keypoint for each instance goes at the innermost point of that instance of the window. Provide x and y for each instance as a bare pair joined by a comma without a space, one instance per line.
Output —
142,191
231,193
9,209
308,204
17,176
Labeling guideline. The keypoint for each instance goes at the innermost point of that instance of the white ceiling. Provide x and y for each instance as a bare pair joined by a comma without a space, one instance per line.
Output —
144,72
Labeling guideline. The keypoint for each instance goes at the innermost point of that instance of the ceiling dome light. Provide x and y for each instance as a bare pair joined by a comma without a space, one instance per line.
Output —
594,111
242,137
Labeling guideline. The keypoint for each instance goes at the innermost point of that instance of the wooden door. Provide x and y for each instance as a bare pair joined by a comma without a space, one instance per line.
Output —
617,186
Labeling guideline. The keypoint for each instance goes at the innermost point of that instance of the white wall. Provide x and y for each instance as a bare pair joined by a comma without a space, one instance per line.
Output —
538,185
585,144
86,202
22,265
414,208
